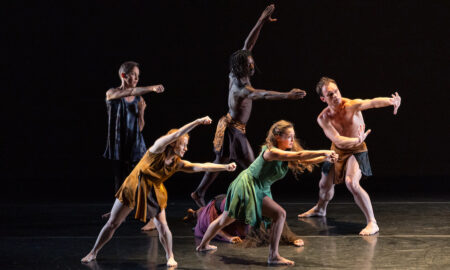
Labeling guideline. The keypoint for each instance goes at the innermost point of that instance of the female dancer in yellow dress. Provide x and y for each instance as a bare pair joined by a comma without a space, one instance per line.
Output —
143,189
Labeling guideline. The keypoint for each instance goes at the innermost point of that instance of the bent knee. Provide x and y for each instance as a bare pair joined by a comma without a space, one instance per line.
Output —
281,214
352,186
113,225
326,186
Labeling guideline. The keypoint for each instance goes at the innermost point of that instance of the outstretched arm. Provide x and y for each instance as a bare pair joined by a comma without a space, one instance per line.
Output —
189,167
278,154
315,160
160,144
255,94
254,34
364,104
116,93
342,141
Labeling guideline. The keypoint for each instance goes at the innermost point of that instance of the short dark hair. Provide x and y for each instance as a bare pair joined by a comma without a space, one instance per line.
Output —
323,81
127,67
239,63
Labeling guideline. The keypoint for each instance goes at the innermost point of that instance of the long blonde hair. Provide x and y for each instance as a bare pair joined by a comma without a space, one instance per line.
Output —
278,129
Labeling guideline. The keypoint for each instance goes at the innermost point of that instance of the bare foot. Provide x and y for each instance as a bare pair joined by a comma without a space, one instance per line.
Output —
279,261
206,248
313,212
171,262
235,240
150,226
106,216
298,243
370,229
190,215
199,200
88,258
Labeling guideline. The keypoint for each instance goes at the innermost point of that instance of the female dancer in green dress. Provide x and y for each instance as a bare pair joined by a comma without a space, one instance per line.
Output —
249,197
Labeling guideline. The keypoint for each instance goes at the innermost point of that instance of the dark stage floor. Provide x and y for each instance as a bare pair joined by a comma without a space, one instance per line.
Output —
414,235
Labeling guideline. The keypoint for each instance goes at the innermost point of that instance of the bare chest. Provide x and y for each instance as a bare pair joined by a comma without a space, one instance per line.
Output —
240,108
347,123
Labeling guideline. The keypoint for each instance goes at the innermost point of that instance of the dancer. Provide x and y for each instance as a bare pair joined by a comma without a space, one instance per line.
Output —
249,197
125,144
144,190
238,231
230,142
343,117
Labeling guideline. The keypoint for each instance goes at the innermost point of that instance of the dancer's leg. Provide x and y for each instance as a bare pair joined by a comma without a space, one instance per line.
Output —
165,237
208,178
278,215
362,199
118,214
121,170
246,154
150,226
218,224
326,193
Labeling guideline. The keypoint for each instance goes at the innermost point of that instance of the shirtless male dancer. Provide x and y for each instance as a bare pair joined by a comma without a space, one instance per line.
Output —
230,142
343,117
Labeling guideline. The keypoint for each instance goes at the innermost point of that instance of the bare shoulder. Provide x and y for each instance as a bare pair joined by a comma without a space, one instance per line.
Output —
324,115
347,101
270,154
351,103
182,164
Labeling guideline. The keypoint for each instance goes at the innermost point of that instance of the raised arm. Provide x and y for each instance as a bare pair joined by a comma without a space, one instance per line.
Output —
254,34
117,93
342,141
379,102
160,144
278,154
189,167
255,94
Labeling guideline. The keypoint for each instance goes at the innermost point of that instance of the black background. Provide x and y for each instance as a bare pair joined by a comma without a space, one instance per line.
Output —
60,58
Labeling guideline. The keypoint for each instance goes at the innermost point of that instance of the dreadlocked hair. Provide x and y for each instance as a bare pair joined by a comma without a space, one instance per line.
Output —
278,129
239,63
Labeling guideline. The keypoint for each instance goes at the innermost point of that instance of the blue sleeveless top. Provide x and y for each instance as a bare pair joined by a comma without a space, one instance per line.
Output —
124,140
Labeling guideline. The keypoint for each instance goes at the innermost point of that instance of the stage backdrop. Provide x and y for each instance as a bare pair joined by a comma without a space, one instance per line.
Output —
60,58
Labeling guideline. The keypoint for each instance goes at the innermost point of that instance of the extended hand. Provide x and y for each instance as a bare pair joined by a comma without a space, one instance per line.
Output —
158,88
267,13
396,101
331,156
297,93
363,135
204,120
231,167
235,240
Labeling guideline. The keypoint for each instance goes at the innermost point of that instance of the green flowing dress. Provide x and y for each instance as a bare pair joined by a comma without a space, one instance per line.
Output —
247,191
